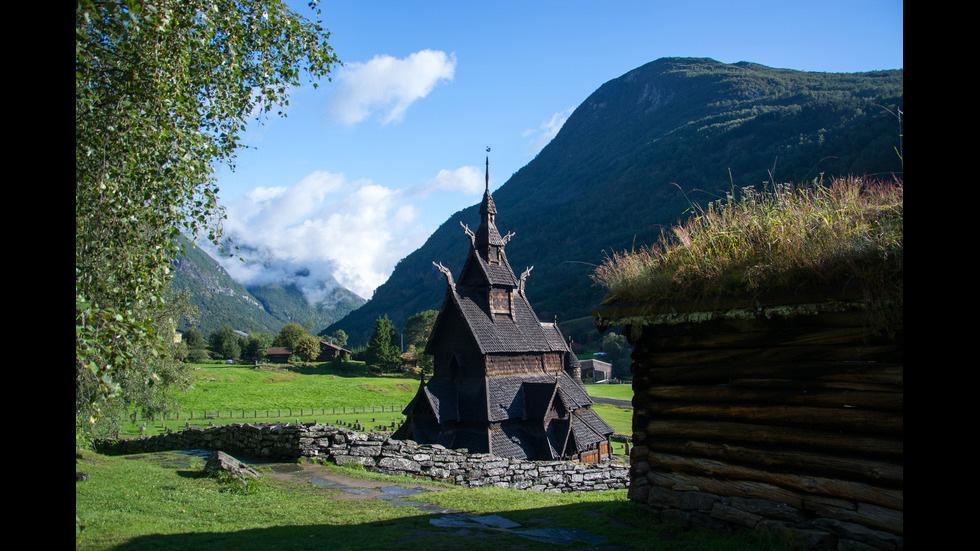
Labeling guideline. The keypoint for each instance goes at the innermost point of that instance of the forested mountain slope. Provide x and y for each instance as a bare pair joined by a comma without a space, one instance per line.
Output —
632,158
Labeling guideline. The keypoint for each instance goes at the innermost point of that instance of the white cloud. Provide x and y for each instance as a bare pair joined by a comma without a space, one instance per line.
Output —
388,85
544,133
468,180
353,231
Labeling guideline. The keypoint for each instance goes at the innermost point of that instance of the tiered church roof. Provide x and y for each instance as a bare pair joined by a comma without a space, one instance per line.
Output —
503,382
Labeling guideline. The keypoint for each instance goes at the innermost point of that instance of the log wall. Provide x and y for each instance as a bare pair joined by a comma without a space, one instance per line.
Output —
791,422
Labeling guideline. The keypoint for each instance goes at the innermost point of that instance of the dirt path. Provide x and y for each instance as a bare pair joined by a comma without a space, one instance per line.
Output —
454,523
400,495
307,474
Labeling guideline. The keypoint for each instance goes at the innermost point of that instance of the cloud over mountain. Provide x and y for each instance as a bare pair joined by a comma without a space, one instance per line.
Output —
325,227
540,136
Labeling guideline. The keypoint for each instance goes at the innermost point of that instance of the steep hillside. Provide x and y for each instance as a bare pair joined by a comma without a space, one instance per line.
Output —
633,157
262,308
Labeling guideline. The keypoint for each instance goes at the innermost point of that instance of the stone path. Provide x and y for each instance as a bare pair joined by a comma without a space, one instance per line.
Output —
454,523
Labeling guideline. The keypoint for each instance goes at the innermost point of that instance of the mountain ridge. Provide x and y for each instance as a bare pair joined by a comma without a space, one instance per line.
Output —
636,155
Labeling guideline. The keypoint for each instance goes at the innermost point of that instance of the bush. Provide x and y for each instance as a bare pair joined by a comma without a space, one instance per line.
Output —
196,355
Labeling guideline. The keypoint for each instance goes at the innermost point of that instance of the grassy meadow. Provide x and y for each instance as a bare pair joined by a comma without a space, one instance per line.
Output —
164,501
349,396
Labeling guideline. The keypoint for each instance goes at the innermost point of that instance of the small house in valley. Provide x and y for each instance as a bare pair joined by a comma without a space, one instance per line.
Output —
596,371
503,382
329,351
278,354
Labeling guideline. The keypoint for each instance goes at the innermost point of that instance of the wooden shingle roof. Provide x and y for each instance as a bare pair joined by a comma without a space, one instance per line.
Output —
528,400
519,332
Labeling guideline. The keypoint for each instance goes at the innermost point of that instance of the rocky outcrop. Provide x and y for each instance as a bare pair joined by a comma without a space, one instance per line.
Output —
221,462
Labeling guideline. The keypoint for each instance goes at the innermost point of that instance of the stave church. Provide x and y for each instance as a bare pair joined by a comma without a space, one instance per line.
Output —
503,382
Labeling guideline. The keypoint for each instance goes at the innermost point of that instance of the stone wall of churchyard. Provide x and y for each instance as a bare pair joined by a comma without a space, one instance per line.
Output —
379,453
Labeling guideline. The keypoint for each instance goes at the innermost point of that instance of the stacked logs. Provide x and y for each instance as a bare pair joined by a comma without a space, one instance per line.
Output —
787,419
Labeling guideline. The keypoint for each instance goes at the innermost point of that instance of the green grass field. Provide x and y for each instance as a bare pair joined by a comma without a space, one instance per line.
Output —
617,392
222,394
163,501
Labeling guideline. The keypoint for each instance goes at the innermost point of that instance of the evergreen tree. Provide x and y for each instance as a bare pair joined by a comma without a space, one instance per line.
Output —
417,331
382,352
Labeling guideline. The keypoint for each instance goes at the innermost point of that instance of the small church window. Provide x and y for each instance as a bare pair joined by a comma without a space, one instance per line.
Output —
500,301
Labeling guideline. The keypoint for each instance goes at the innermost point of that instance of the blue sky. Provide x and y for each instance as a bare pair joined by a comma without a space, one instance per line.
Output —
364,168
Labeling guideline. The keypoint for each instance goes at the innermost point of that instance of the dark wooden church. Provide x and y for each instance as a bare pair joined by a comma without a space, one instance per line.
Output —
503,382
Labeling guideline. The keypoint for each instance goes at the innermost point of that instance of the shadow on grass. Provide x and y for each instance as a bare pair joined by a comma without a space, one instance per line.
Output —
348,511
599,526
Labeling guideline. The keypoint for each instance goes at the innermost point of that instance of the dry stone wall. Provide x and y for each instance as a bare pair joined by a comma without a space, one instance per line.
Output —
379,453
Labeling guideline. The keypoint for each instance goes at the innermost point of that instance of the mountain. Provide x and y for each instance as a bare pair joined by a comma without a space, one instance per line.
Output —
634,158
259,308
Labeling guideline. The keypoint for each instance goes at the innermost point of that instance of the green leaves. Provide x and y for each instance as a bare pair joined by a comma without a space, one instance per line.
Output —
162,92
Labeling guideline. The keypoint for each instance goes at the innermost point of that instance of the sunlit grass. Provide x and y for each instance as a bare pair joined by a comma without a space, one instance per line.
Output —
789,237
616,392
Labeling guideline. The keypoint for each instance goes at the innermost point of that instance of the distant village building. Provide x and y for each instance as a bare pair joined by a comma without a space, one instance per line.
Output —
503,382
596,371
329,351
278,354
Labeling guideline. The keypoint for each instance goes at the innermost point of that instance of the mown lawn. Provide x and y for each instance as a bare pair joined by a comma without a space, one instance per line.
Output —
163,501
220,387
616,392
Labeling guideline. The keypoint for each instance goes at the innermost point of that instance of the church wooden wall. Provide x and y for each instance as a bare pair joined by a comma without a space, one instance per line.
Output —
523,364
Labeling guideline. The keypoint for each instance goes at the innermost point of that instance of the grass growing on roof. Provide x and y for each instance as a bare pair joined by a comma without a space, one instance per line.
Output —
789,237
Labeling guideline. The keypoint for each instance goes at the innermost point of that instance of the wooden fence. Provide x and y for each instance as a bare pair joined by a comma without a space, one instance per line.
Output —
279,412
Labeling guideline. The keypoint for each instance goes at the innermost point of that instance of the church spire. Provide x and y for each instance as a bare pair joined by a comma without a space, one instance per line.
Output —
487,208
487,240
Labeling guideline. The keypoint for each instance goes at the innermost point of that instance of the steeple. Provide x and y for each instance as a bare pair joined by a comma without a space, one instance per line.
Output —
489,245
487,208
